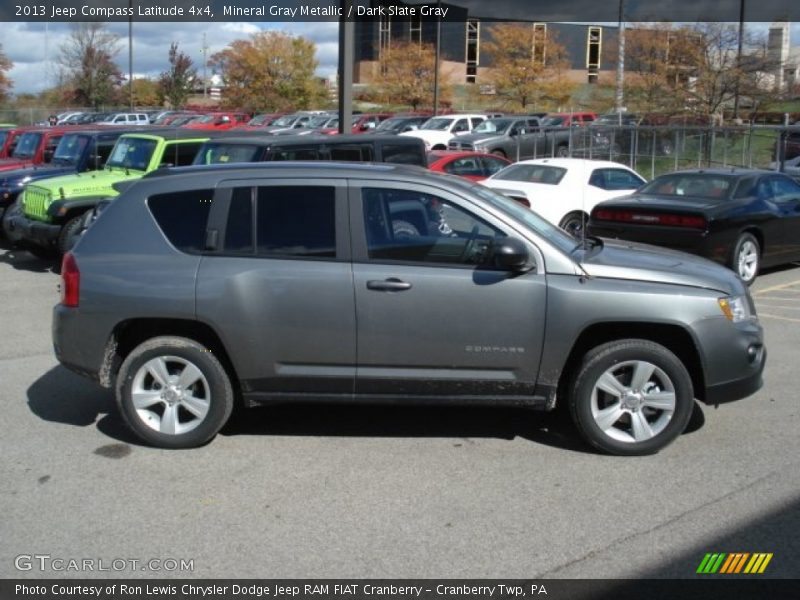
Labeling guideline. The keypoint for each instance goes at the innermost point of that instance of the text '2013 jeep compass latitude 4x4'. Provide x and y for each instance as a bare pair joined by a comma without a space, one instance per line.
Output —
307,282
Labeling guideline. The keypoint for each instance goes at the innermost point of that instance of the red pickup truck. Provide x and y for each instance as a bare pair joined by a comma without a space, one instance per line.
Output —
30,146
219,121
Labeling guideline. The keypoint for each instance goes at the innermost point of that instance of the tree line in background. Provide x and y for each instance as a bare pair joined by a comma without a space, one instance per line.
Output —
668,69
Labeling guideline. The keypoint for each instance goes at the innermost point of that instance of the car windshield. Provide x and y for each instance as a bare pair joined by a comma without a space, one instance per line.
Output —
318,121
132,153
553,121
493,126
259,120
545,174
213,153
3,138
286,121
437,124
69,149
555,235
207,119
697,185
391,125
614,120
27,145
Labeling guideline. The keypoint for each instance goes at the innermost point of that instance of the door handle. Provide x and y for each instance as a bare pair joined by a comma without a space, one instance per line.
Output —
388,285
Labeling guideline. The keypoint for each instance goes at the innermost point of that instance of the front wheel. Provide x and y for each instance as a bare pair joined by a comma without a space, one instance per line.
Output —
746,258
631,397
574,223
70,234
174,393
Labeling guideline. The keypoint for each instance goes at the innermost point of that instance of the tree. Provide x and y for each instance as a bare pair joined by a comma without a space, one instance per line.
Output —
146,92
175,84
5,82
527,63
88,59
407,75
270,71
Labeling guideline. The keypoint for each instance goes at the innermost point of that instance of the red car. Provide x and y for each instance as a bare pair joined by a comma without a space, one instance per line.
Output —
568,119
260,121
475,166
361,123
29,146
219,121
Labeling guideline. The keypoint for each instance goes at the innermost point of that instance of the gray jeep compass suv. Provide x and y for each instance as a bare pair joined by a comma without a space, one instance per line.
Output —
265,283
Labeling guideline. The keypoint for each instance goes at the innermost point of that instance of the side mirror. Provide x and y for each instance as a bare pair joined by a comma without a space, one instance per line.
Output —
511,254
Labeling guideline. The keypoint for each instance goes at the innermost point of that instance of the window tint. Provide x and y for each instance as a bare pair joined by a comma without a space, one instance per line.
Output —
296,221
357,153
614,179
410,226
492,165
221,152
404,154
296,154
468,165
183,216
784,189
180,155
239,227
532,174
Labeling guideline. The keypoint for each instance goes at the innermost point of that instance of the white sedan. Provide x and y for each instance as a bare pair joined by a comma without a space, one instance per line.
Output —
564,190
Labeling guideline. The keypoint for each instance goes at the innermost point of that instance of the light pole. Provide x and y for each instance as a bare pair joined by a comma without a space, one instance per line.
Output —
619,97
739,60
438,55
130,52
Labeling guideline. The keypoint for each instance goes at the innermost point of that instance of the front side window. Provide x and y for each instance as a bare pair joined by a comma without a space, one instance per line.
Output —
296,221
183,217
614,179
132,153
411,226
464,167
213,153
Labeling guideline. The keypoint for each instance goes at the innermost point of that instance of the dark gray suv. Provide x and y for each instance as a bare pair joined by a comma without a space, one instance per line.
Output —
289,282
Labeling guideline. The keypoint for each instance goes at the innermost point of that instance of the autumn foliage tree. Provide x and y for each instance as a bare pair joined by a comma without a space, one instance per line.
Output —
407,76
5,82
527,64
88,61
175,83
270,71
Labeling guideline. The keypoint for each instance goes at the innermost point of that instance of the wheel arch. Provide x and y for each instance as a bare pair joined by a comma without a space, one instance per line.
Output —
673,337
128,334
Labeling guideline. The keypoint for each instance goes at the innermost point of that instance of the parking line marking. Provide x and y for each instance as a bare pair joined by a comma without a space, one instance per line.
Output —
782,286
777,317
782,307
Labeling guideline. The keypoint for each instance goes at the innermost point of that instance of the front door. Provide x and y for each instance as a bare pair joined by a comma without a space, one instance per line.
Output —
432,318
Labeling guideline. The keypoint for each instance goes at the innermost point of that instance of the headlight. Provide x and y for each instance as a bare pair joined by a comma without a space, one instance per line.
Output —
735,308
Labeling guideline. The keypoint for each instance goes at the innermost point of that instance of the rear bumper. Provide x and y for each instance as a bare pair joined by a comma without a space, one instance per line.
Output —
20,227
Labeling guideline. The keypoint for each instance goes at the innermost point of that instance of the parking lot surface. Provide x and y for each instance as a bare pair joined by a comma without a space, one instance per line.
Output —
339,491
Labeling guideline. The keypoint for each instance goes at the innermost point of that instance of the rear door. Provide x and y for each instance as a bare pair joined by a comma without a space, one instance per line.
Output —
278,285
432,319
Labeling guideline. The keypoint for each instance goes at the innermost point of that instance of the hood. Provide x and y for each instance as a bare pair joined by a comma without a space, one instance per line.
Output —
87,184
8,164
477,138
641,262
32,174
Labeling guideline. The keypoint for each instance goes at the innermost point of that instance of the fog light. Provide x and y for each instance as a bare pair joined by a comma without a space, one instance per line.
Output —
753,352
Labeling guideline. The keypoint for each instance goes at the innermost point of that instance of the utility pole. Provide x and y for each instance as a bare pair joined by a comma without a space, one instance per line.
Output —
619,98
204,50
130,52
739,60
437,58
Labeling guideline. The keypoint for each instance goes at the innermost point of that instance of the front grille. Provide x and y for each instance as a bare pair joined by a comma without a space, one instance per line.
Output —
36,201
455,145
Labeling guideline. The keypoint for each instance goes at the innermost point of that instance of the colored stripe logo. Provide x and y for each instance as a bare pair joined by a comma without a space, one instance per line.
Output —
734,562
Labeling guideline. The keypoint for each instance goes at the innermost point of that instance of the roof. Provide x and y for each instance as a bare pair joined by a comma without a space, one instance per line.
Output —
311,140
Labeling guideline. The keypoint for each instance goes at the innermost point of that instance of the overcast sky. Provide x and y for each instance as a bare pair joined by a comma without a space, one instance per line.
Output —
29,45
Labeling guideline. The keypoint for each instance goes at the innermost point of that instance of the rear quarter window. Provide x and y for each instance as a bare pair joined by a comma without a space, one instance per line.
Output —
183,217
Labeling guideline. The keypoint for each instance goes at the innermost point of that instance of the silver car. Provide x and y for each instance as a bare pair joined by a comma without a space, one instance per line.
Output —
297,282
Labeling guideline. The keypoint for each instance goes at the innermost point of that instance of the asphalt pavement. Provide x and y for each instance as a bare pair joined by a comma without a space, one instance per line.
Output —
374,492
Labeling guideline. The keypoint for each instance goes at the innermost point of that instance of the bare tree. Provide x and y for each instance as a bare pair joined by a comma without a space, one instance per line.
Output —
88,59
175,83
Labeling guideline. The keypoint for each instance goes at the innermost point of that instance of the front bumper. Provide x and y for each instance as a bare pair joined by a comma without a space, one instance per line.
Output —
21,228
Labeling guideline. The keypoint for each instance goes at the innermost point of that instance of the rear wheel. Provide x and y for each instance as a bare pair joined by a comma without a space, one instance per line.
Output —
174,393
574,223
631,397
746,258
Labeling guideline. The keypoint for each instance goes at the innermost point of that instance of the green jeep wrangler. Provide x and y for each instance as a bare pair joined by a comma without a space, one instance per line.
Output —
49,212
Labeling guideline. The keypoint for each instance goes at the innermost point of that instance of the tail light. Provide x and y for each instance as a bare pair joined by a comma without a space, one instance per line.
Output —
665,219
70,281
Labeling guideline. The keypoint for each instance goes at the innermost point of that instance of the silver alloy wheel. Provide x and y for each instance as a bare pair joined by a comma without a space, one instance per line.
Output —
170,395
633,401
747,260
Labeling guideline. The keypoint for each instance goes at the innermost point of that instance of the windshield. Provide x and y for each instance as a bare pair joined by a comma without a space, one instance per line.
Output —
3,138
553,121
286,121
437,124
391,125
259,120
207,119
319,121
132,153
555,235
213,153
69,149
493,126
532,174
27,145
698,185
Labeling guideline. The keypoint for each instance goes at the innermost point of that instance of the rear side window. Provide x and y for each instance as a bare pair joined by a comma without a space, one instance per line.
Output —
183,217
180,154
532,174
296,221
296,154
355,153
404,155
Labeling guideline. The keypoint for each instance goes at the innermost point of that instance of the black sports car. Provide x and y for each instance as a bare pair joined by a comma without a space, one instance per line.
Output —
742,218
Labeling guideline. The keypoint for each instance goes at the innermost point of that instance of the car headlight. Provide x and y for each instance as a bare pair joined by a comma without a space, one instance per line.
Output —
735,308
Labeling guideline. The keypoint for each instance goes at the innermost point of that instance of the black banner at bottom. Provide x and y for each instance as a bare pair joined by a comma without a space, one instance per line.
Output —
702,588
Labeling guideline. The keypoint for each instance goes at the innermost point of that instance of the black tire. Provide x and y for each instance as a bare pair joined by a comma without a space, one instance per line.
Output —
619,360
13,210
213,389
746,258
574,223
439,147
70,234
40,252
562,151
